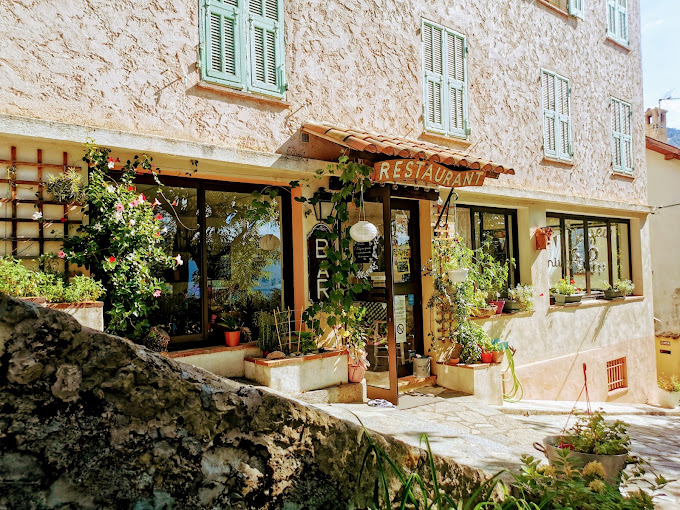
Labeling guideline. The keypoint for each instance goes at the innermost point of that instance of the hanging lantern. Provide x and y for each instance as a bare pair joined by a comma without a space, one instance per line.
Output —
269,242
363,231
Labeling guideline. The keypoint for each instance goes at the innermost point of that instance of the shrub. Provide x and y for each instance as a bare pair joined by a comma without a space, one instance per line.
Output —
524,295
565,288
671,384
593,434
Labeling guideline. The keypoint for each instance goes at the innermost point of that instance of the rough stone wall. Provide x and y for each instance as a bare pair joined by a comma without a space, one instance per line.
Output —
131,66
88,420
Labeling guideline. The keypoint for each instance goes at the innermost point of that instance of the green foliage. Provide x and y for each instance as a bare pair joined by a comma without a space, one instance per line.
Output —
355,334
593,434
524,295
231,321
451,254
19,281
488,274
67,187
671,384
121,243
565,288
625,287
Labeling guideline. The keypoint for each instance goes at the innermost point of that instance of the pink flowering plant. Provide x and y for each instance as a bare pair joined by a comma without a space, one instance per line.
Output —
121,243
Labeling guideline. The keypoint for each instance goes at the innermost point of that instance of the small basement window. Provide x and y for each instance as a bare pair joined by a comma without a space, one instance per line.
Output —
617,377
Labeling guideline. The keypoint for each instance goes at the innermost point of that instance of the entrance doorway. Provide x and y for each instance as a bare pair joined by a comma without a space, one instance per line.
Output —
394,304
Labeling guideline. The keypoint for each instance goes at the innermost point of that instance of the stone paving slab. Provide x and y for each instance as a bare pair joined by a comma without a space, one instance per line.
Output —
564,407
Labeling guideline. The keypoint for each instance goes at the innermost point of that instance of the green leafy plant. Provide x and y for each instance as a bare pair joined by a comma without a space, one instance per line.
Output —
489,275
83,288
625,287
671,383
231,321
524,295
593,434
67,187
122,242
565,288
355,335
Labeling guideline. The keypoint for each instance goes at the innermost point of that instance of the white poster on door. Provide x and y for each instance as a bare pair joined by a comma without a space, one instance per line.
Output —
400,318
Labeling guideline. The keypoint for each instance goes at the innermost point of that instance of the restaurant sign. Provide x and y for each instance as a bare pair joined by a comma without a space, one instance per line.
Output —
424,173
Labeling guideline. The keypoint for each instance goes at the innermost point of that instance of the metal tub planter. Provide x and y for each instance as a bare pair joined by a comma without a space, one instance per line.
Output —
613,464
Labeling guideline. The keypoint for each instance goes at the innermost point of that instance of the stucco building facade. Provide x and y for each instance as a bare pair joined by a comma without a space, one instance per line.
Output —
551,89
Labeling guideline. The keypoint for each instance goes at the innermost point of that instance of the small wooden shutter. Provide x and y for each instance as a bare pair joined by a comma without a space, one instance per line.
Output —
456,84
266,46
576,8
549,115
222,42
563,118
433,63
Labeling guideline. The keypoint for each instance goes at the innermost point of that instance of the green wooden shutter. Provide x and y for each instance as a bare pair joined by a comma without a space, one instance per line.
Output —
266,47
456,84
549,114
617,20
562,95
626,138
623,21
222,41
576,8
435,110
617,145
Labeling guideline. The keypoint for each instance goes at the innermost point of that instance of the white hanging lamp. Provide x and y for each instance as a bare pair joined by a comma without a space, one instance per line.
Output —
363,231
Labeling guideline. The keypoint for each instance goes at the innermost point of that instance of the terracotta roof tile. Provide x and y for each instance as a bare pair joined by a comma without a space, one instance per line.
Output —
364,141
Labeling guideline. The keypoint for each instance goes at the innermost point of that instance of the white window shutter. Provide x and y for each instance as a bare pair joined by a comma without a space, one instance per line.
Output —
612,16
576,8
563,118
266,46
549,114
626,138
456,84
435,111
616,135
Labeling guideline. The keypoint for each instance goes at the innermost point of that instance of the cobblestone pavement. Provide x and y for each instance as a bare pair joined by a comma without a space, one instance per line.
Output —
655,438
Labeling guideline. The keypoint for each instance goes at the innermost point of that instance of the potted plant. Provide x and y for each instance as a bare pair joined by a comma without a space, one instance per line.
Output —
668,391
454,258
520,299
490,276
566,292
620,289
231,324
355,331
591,439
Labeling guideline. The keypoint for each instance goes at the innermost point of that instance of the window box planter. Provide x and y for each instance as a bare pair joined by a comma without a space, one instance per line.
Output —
512,306
613,294
668,399
300,373
561,299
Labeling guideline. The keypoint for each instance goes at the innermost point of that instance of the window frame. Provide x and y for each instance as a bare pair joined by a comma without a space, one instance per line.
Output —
444,80
615,33
622,136
244,48
286,221
563,248
558,154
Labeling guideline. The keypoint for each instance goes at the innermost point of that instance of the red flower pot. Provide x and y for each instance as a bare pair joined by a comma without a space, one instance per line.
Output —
232,338
499,306
355,373
487,357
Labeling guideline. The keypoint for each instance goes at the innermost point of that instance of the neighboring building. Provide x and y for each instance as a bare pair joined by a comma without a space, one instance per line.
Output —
663,170
262,92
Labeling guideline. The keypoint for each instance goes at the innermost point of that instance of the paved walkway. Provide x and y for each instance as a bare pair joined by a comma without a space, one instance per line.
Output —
493,438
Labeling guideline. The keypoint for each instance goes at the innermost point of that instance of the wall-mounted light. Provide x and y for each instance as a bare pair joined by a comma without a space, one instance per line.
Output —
323,207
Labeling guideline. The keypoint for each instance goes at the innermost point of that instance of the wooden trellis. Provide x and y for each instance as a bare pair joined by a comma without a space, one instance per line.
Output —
16,218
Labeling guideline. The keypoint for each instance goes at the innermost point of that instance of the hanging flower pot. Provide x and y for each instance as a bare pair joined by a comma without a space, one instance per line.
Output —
458,275
363,231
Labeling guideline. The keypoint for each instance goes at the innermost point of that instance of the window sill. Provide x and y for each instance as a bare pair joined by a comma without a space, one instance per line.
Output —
618,44
590,303
239,94
547,159
617,393
447,138
504,315
624,175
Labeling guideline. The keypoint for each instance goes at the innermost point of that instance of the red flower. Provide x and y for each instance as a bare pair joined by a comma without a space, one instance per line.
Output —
541,294
157,234
112,259
159,216
572,282
131,188
63,220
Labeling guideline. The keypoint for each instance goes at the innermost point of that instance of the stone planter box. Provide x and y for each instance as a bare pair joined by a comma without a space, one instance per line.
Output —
482,380
89,314
302,373
220,360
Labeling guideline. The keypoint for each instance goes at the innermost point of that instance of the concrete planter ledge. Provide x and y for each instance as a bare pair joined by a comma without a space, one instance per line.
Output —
589,303
299,374
483,380
219,359
88,313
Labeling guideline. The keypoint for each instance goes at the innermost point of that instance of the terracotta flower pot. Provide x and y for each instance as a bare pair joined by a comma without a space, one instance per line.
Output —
355,373
232,338
487,357
453,361
497,356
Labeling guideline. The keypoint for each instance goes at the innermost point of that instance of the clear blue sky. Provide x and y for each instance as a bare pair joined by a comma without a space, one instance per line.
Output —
661,55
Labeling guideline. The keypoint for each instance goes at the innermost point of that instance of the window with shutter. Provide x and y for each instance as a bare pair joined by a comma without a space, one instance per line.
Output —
242,45
556,116
617,20
445,81
622,137
576,8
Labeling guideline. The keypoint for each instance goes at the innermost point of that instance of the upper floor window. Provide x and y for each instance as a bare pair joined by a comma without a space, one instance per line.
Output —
242,45
622,139
445,81
577,8
556,116
617,20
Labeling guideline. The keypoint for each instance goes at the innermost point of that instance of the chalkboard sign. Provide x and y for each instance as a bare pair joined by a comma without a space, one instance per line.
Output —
365,253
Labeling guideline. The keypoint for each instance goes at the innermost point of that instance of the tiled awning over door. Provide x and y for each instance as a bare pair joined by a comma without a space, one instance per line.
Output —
395,146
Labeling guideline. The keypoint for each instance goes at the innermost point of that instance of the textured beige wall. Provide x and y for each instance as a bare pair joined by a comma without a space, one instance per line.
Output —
131,66
664,182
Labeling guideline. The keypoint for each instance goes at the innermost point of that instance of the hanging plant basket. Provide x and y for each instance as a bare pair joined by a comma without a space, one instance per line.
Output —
458,275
